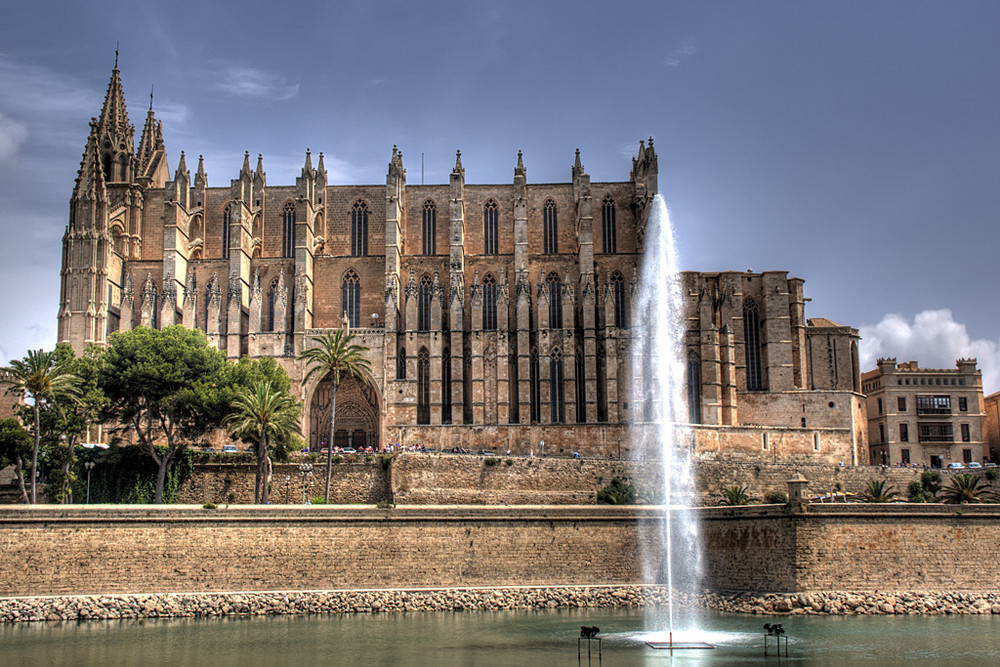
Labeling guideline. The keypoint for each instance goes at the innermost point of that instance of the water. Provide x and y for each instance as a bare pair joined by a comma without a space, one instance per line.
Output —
496,638
658,378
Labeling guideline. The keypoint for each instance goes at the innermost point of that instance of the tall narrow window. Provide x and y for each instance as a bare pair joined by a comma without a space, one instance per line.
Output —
429,228
288,230
609,231
423,387
359,229
555,301
226,217
751,337
446,386
401,364
618,292
424,304
350,294
489,303
558,398
550,228
491,226
694,388
272,298
536,388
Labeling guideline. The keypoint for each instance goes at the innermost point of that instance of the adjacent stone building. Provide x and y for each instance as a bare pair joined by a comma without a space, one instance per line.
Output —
496,316
991,409
925,416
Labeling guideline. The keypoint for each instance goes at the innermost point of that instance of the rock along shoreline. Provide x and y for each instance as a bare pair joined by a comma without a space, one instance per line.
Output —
218,604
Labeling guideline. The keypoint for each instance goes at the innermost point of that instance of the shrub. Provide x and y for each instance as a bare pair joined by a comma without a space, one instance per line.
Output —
776,498
231,497
209,506
336,458
369,458
879,491
319,500
384,505
619,492
992,474
735,495
509,462
490,461
385,460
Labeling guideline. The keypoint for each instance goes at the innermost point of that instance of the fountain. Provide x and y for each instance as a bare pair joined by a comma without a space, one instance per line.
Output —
671,555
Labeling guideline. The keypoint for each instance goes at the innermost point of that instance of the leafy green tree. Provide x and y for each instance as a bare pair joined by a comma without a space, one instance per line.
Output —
879,491
337,355
15,448
619,492
966,489
41,377
735,495
262,413
167,386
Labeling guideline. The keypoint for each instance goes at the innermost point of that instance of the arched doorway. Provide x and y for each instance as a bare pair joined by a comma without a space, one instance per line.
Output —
357,423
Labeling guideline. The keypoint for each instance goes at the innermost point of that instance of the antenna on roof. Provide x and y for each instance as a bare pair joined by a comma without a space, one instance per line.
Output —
421,169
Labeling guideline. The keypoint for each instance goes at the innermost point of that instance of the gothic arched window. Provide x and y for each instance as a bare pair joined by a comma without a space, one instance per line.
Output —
536,388
555,301
359,229
288,230
558,399
618,294
608,229
350,295
751,339
226,217
401,364
550,228
423,386
491,225
429,228
694,388
489,303
446,386
272,298
424,291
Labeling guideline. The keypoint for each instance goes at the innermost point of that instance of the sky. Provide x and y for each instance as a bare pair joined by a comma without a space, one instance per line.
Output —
853,144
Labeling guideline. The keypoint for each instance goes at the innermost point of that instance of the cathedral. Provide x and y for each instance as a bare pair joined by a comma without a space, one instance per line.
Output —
495,316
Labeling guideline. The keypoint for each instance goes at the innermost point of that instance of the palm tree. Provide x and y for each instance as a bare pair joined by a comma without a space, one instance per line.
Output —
735,495
966,489
263,414
879,491
337,355
39,376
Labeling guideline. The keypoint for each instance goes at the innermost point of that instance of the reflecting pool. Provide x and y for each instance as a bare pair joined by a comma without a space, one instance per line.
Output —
541,638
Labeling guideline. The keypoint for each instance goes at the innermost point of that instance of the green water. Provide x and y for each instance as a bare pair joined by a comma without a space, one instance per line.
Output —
494,638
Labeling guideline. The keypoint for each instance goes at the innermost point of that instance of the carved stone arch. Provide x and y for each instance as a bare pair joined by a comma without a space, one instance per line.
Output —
358,412
118,237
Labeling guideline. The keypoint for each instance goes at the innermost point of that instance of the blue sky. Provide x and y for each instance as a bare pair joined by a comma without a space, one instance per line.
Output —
854,144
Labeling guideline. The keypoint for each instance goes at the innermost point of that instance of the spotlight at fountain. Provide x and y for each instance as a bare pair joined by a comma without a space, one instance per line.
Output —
671,553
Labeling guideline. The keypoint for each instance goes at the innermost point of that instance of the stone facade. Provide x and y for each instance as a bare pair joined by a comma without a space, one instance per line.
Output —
925,416
991,425
489,307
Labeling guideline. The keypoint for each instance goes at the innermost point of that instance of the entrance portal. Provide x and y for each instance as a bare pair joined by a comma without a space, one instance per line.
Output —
357,422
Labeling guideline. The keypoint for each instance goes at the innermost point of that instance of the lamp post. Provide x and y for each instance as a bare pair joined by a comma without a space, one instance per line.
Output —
304,469
374,320
541,447
89,465
288,479
619,448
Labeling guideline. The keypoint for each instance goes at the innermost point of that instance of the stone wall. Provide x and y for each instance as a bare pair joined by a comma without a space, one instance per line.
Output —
427,479
766,549
81,550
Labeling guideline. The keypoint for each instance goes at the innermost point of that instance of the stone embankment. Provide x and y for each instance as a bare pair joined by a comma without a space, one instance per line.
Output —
848,604
102,607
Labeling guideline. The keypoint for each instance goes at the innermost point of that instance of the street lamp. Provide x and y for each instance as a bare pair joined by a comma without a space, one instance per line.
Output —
304,469
288,479
542,447
89,465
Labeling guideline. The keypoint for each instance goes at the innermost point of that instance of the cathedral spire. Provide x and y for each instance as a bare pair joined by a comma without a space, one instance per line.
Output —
90,179
307,168
114,115
321,169
246,165
577,165
458,165
182,170
519,170
200,177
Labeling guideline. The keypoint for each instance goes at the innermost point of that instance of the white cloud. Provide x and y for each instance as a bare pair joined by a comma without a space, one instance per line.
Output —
251,82
12,135
685,49
934,339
